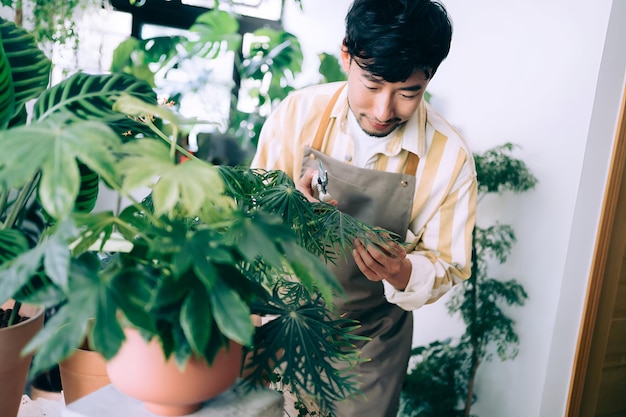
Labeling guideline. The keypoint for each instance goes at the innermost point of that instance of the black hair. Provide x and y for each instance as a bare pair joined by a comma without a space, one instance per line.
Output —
393,39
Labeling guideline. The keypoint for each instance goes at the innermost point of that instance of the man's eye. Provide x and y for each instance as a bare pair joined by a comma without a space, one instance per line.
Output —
409,96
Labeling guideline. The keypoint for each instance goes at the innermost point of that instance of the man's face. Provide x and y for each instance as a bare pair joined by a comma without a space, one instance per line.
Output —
380,106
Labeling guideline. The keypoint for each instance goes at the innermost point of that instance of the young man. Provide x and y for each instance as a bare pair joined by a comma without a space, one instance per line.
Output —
392,162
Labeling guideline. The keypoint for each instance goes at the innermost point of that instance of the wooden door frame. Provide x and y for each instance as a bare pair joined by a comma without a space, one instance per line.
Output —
600,297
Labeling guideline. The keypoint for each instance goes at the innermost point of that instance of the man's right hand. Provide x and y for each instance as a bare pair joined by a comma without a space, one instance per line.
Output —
304,186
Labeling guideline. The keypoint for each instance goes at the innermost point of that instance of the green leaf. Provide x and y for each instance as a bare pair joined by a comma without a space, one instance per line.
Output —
147,159
62,334
195,320
91,97
498,171
59,147
52,251
316,342
107,334
257,237
24,70
134,106
144,58
96,227
56,260
231,313
205,271
88,189
133,293
67,328
12,243
311,271
122,54
330,68
213,33
7,92
282,54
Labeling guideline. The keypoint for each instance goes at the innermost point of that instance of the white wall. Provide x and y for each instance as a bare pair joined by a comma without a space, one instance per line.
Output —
536,73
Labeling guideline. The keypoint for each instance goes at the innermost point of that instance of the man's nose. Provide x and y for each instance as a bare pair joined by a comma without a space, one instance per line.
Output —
383,107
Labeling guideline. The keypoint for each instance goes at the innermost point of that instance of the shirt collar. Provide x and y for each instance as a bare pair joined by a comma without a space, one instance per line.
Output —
405,139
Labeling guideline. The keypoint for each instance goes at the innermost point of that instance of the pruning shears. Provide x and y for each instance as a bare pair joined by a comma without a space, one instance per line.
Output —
320,182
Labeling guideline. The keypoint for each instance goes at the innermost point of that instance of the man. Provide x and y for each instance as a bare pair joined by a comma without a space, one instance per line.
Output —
393,162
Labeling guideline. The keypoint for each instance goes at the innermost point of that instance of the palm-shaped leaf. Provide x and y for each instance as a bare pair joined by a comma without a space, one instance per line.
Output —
306,327
24,70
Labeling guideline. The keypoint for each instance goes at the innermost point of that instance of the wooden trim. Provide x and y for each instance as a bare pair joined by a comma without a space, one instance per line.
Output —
598,269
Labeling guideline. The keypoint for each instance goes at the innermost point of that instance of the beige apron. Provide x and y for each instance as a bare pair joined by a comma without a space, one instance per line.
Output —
382,199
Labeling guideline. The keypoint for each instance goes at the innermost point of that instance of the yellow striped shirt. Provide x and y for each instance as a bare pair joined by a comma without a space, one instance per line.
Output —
444,206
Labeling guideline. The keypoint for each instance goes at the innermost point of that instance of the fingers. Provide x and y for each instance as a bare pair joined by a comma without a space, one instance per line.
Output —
378,263
304,185
370,260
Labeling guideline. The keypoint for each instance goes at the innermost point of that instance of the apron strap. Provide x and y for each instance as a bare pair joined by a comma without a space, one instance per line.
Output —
321,129
412,160
411,164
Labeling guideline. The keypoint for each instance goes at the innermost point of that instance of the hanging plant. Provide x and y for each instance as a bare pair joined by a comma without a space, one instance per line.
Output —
51,22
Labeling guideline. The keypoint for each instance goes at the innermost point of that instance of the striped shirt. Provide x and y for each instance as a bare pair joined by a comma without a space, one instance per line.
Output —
444,205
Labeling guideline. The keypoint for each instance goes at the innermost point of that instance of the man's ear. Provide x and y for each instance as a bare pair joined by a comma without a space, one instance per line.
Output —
345,58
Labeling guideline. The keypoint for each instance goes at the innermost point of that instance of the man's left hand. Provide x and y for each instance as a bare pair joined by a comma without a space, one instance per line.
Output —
378,263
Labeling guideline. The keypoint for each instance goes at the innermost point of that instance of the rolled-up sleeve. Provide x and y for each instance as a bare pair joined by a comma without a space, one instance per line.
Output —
441,254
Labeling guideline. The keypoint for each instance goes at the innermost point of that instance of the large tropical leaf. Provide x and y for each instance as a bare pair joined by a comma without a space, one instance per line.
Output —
276,52
7,93
91,97
59,147
147,159
12,243
24,70
88,189
140,57
66,329
52,253
212,34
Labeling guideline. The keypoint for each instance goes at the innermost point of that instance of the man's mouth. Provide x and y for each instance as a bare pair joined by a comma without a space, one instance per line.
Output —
380,126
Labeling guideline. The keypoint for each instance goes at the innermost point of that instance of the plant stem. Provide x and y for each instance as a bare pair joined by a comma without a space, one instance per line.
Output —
19,13
4,199
474,336
472,377
174,146
20,202
14,313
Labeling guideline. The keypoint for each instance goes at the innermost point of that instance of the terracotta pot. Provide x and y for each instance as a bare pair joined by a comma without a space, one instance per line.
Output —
13,366
83,373
140,371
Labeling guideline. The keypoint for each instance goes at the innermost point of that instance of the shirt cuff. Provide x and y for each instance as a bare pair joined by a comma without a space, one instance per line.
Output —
419,289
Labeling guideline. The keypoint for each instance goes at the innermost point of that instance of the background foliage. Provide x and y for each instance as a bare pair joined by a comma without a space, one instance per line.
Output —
441,382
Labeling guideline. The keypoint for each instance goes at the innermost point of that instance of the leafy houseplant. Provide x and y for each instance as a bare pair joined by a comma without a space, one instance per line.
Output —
441,382
206,248
265,67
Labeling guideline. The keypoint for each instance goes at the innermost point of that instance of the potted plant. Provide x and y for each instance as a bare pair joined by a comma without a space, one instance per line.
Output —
208,247
25,75
18,324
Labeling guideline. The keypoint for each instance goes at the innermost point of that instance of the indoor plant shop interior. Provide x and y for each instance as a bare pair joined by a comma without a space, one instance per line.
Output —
185,264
